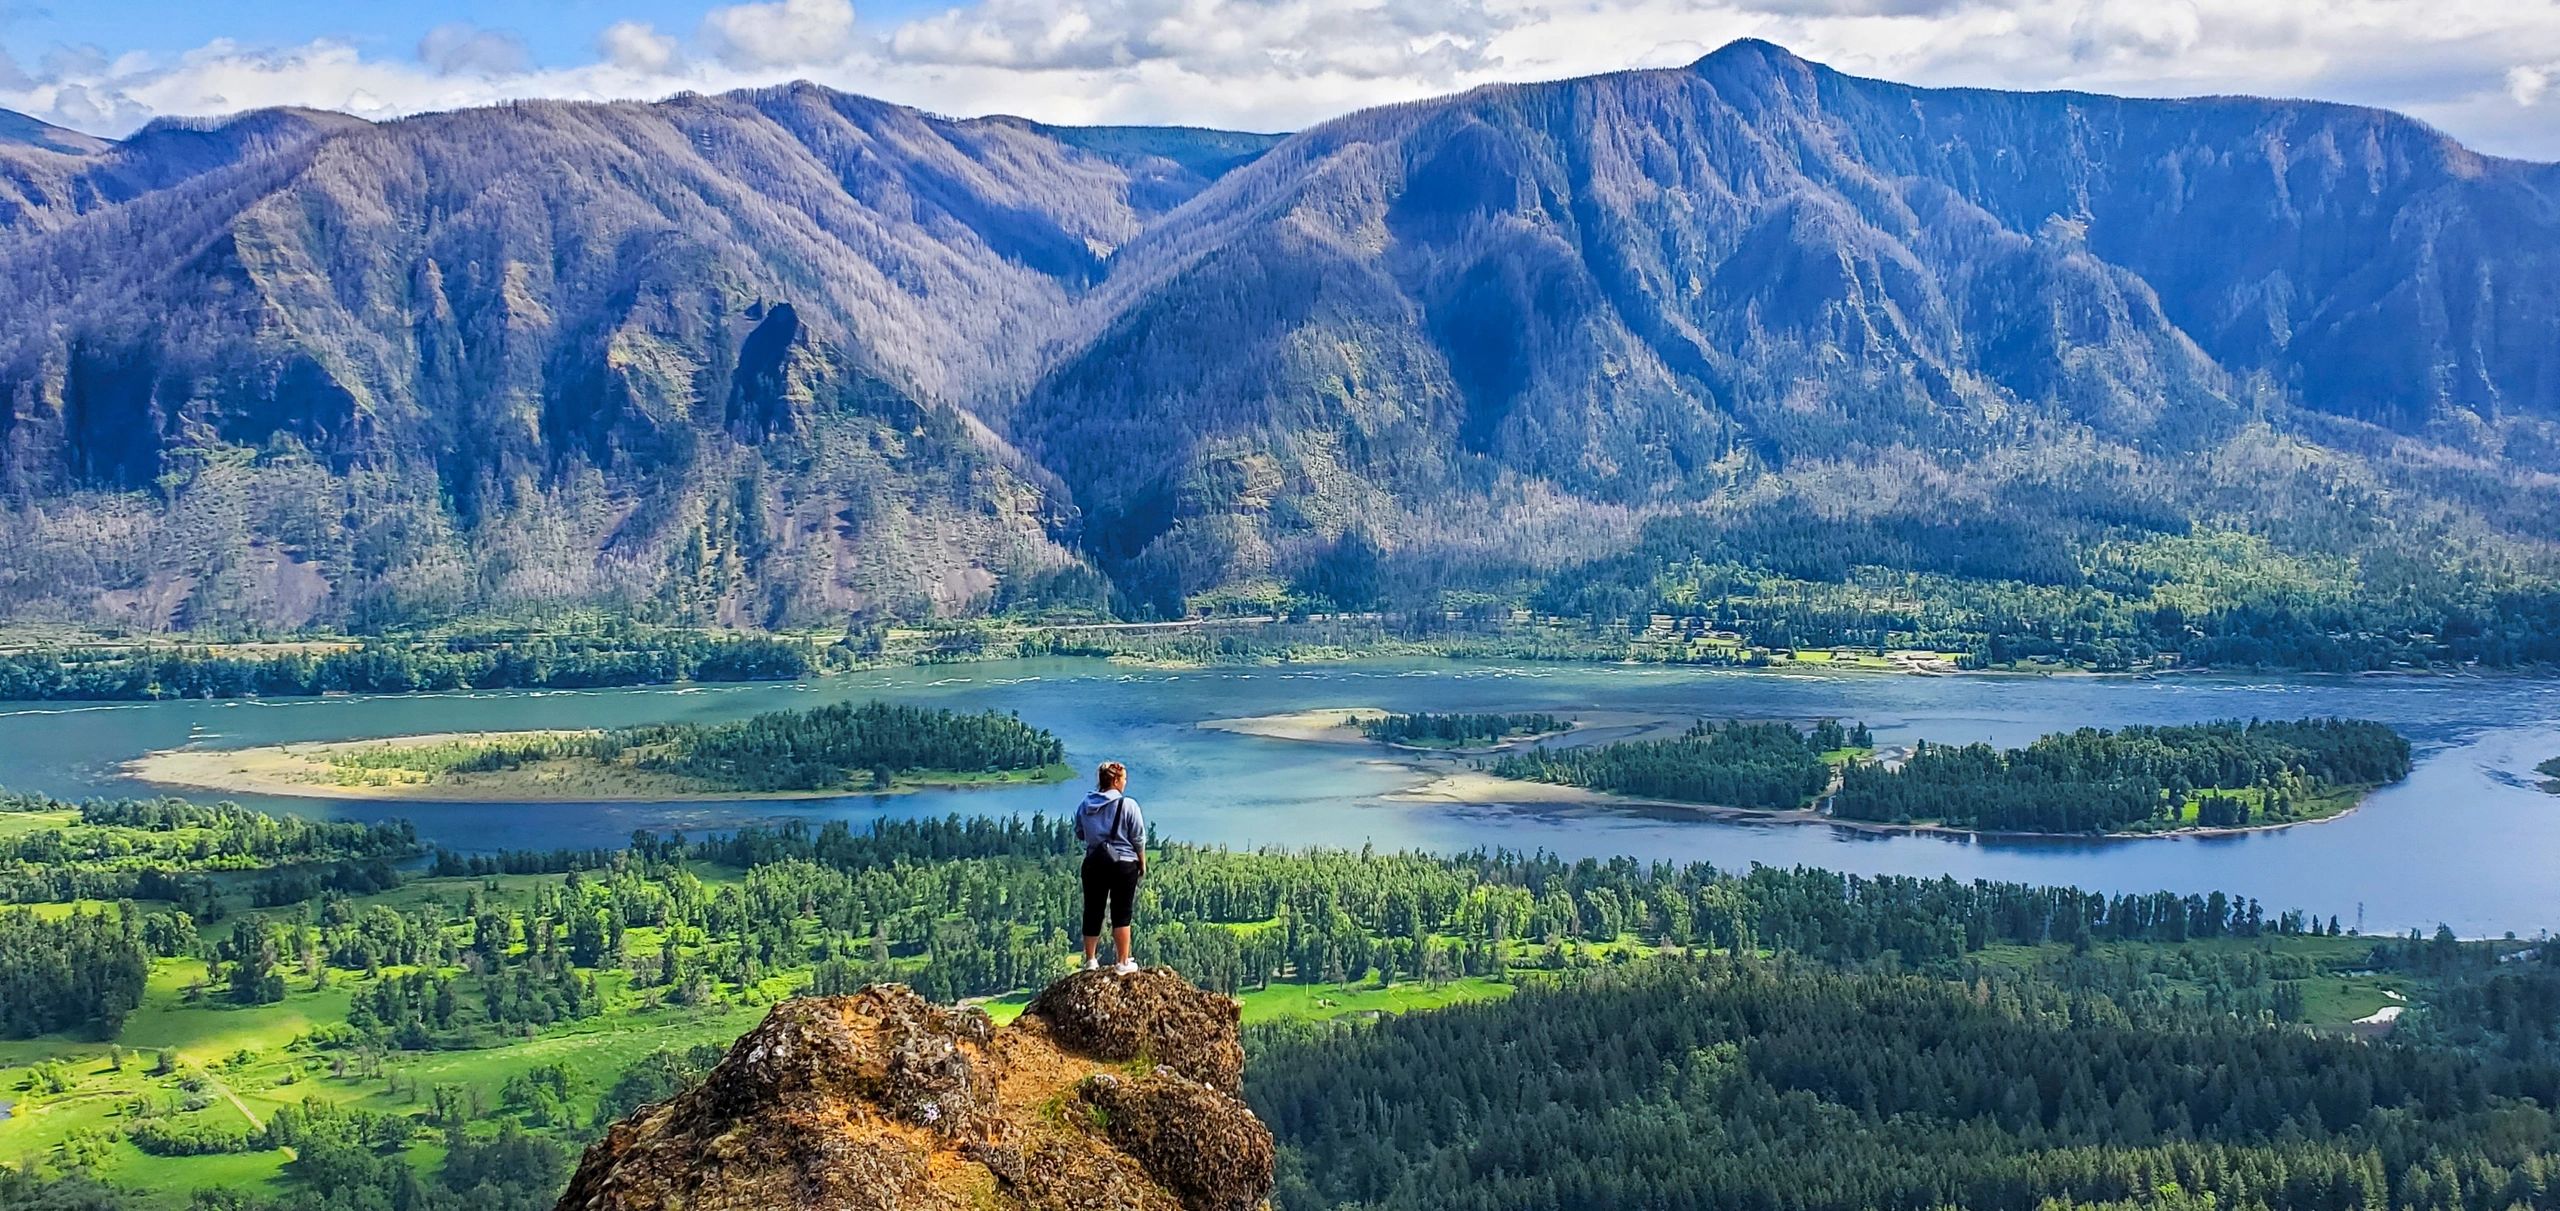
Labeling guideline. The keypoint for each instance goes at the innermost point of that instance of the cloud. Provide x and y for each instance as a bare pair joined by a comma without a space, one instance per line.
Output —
2527,84
2119,30
781,33
461,48
1430,39
83,108
637,46
1280,64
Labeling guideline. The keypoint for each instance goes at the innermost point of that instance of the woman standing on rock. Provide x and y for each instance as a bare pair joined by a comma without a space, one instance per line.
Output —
1115,858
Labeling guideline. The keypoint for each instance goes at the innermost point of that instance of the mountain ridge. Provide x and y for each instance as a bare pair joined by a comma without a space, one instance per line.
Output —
1510,332
2137,365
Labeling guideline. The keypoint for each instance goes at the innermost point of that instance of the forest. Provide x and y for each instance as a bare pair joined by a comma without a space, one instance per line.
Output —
413,1033
1426,730
1735,763
391,666
1773,1083
169,849
2091,575
80,970
2227,774
830,745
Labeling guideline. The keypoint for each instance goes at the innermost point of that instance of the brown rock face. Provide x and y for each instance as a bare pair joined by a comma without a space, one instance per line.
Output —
1111,1092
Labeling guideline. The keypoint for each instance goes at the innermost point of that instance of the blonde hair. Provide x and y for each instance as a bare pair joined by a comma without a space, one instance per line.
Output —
1111,777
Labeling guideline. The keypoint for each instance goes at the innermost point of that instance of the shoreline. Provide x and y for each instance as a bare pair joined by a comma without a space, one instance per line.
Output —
1003,642
1326,725
1475,788
299,770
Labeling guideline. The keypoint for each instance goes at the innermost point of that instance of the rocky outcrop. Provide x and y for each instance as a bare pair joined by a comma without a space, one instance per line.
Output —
1110,1092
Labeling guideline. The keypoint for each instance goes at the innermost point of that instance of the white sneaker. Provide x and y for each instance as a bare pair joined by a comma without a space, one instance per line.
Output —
1126,967
1092,964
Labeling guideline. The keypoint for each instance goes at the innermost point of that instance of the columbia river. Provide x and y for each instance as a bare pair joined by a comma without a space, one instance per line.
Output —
2469,840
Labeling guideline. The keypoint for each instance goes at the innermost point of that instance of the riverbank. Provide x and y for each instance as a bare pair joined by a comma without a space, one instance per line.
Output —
1476,788
330,770
63,664
60,664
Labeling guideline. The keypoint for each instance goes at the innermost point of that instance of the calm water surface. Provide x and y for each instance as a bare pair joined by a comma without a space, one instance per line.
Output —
2468,840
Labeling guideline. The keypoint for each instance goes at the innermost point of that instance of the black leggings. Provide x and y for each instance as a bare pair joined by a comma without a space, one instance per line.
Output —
1108,879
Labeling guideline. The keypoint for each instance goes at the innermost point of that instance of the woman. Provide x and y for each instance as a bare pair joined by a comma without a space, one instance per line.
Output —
1115,858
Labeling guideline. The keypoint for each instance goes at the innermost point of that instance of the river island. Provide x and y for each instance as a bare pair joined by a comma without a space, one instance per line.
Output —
832,750
2222,777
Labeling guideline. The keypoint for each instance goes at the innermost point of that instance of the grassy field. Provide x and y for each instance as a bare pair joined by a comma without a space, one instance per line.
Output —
2336,989
1314,1001
19,824
2328,802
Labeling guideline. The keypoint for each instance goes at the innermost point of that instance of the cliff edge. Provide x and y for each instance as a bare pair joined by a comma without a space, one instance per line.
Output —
1110,1092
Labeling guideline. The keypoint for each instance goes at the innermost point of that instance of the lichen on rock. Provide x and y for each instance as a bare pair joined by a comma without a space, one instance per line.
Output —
1111,1092
1204,1145
1155,1016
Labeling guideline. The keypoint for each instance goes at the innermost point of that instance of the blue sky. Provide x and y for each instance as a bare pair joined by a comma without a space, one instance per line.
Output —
2486,70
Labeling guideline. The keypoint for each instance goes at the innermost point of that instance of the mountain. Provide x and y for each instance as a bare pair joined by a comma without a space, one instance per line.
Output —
702,357
1647,288
779,355
883,1100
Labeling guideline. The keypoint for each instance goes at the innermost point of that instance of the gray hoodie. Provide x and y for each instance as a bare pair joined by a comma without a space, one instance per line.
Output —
1112,820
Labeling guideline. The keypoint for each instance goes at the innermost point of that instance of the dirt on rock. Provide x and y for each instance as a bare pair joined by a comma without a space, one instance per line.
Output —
1112,1092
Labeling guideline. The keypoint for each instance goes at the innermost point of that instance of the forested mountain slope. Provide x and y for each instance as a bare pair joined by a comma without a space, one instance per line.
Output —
1652,288
700,355
1651,340
49,175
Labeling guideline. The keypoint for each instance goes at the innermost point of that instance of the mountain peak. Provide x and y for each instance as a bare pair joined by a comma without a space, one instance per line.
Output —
1756,52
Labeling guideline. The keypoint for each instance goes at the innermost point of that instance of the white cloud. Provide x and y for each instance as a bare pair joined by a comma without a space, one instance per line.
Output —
637,46
780,33
2527,84
2115,31
1428,39
1277,64
461,48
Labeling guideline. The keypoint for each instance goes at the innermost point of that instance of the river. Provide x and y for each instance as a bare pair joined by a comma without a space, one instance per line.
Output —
2468,840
